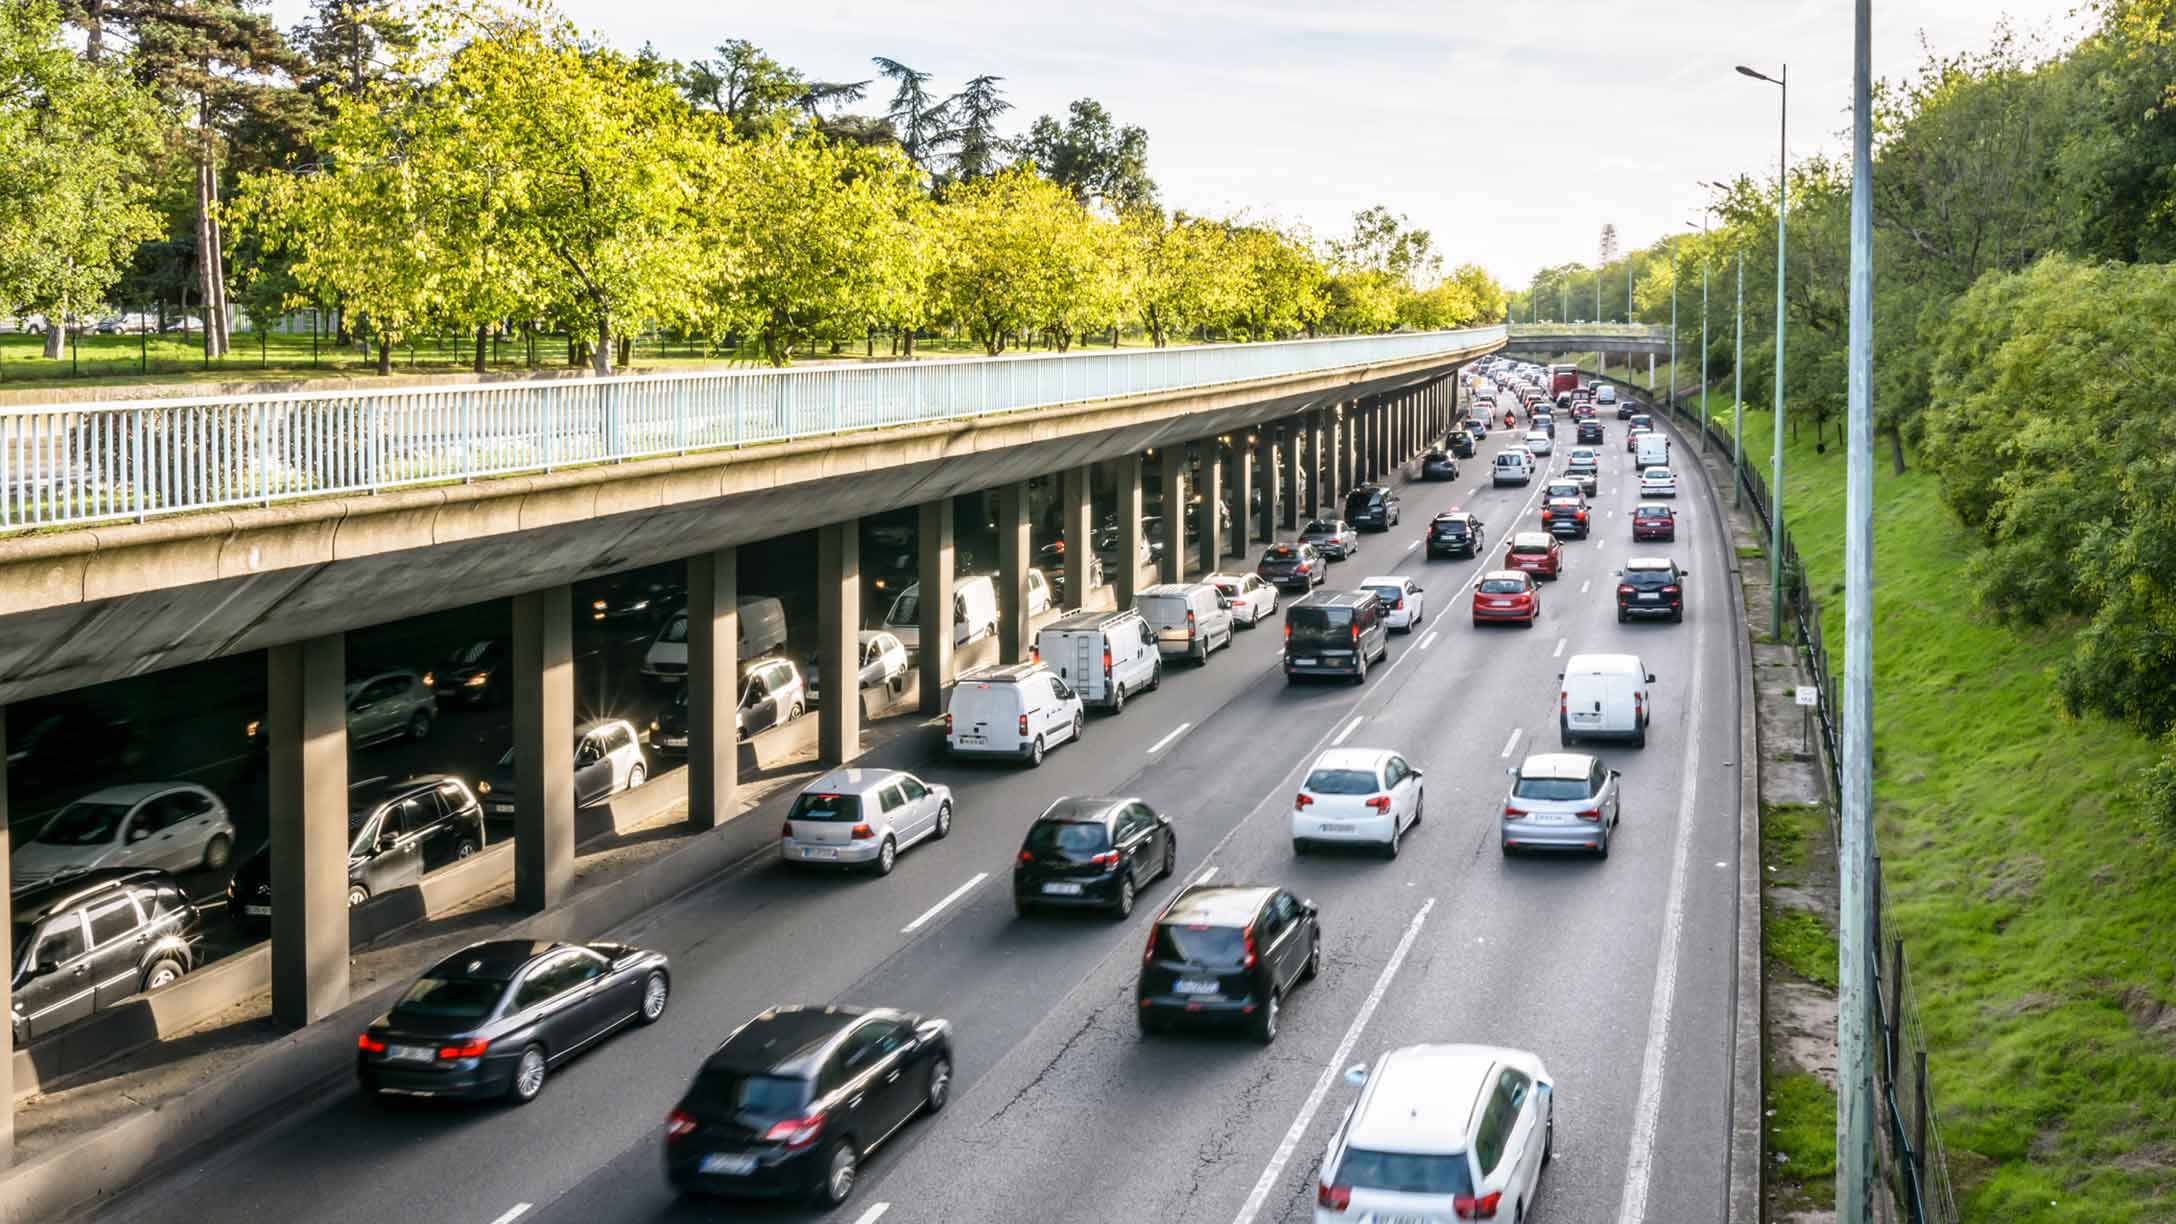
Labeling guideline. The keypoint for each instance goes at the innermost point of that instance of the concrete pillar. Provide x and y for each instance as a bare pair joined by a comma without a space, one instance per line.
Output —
1243,516
306,734
1212,504
838,644
1334,452
1174,485
933,590
1080,544
1126,475
1317,470
1287,488
543,747
1265,462
1013,637
7,1003
713,686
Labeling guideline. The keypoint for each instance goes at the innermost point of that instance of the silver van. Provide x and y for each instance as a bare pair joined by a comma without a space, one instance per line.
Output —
1190,618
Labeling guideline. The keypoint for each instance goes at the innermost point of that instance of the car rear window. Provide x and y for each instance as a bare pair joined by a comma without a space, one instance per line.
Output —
1342,782
820,806
1404,1172
1319,624
1451,527
1202,945
1652,512
1647,578
1320,527
1282,552
1163,609
451,998
764,1096
1550,788
1503,586
1530,550
1068,836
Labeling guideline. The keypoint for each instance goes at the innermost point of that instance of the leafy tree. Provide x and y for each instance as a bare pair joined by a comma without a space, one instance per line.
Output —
1282,287
1017,256
977,149
753,92
1185,272
1092,157
1385,242
919,118
347,45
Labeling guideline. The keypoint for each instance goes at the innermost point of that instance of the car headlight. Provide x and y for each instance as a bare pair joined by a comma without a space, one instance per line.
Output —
653,726
483,788
597,606
476,681
251,731
427,680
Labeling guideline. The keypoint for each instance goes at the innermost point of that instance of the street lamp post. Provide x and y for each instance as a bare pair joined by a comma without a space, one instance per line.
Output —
1671,390
1783,204
1705,214
1737,395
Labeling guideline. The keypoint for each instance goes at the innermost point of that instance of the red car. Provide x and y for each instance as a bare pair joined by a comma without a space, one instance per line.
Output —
1632,438
1654,523
1507,595
1536,552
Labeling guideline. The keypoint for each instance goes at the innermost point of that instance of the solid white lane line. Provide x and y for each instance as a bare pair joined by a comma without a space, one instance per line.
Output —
1330,1071
1165,742
1205,876
875,1213
1558,653
1639,1164
1513,742
1346,734
1410,547
1428,641
938,908
513,1213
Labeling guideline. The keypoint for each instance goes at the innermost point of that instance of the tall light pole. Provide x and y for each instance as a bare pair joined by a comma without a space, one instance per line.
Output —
1783,206
1854,1020
1737,395
1671,390
1704,215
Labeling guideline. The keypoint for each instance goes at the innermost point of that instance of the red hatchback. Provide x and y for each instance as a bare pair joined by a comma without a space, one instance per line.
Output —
1535,552
1632,438
1654,523
1507,595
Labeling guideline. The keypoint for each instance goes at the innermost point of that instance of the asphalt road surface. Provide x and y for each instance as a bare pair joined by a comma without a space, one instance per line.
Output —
1617,972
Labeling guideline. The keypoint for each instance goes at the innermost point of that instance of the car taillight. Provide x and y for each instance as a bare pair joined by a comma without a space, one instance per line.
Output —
1581,516
1356,633
1563,702
1624,588
1399,603
1511,812
1333,1198
1380,803
1189,633
1303,799
948,722
1669,590
1109,858
1027,856
1639,705
678,1124
1288,631
473,1049
1592,813
1249,962
1106,663
1023,725
1149,951
1477,1207
368,1044
796,1132
785,829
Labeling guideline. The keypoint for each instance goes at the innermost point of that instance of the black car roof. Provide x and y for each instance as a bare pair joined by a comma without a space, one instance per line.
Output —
1335,599
369,798
783,1040
1084,808
37,901
1218,905
494,960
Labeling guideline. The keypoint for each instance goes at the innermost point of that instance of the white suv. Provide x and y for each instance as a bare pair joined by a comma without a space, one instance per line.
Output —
1440,1132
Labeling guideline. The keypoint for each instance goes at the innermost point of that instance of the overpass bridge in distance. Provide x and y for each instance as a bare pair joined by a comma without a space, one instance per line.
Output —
1550,338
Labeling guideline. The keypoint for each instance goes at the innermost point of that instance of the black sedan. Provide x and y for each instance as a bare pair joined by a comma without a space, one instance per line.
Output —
1437,465
493,1018
1097,852
795,1099
477,674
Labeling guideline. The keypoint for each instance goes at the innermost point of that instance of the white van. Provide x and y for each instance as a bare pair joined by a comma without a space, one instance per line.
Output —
1018,710
1514,466
1605,395
1654,450
762,630
1104,656
1189,618
1605,696
974,609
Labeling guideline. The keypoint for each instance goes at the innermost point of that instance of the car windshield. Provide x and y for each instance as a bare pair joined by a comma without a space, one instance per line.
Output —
1319,624
449,998
1551,788
764,1096
1342,782
1201,944
675,631
810,805
1502,586
84,823
1319,527
1067,836
473,653
1404,1172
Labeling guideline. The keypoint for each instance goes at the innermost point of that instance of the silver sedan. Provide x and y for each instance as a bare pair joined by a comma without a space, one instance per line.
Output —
1561,801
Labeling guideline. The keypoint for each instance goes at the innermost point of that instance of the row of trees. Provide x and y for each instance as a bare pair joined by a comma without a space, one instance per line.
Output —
430,168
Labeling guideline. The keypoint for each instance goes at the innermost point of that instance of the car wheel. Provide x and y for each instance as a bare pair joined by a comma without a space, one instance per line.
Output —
1362,671
794,712
1678,617
944,821
887,857
840,1172
419,726
216,851
1639,737
1548,1136
637,776
1118,698
1314,961
938,1089
1622,616
1390,848
528,1080
1299,846
357,894
1265,1019
1201,653
1123,907
464,849
1171,857
1035,752
1602,851
1151,1024
1420,806
655,992
163,972
1156,676
1079,722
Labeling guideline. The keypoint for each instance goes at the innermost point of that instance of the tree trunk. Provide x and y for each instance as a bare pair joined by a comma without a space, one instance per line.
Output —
1896,450
340,337
385,357
56,335
907,342
627,352
219,263
601,352
483,335
204,247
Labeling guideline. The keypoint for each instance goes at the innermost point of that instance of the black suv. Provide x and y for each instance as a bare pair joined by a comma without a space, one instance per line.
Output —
86,943
1590,431
1372,505
396,832
1335,633
1454,534
1093,851
1227,953
1650,586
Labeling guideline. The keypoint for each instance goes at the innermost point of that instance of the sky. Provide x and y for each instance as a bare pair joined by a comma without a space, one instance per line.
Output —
1512,130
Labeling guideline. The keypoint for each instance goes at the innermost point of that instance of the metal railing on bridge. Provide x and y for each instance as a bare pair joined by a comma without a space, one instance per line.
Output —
89,462
1630,331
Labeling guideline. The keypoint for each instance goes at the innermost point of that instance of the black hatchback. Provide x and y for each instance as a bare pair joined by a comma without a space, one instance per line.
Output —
1438,465
1454,534
1372,505
793,1102
1227,953
1093,851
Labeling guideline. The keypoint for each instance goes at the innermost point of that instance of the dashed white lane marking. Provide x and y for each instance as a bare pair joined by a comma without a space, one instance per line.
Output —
1513,742
1428,641
1346,734
938,908
876,1212
513,1213
1283,1155
1558,653
1410,547
1205,876
1584,585
1165,742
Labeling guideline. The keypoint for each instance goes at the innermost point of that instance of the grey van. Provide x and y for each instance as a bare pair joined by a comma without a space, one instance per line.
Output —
1335,633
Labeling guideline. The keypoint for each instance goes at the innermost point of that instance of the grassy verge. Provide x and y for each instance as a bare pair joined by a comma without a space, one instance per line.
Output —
1802,1130
2039,917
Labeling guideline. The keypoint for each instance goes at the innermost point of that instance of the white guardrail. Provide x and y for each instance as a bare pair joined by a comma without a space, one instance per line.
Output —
129,459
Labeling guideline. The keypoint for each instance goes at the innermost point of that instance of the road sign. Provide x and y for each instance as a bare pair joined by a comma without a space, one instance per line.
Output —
1808,695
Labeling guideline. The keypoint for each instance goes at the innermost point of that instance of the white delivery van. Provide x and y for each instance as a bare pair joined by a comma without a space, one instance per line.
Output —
1104,656
1654,450
1605,394
762,631
974,612
1513,466
1017,710
1605,696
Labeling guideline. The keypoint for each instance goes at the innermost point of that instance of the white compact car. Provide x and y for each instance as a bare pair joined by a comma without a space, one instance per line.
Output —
1251,598
1537,442
177,826
1440,1132
1402,598
863,818
1018,710
1356,796
1658,482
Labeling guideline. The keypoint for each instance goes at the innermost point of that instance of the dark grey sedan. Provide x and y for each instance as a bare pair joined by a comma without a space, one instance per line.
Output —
492,1019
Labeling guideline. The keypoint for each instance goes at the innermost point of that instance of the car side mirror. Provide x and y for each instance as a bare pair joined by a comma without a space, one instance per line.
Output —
1650,677
1682,572
1511,771
1356,1074
137,834
386,841
1616,773
46,966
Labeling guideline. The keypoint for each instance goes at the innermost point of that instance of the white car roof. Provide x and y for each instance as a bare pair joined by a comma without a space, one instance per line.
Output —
1604,665
133,792
853,781
1656,471
1352,758
1385,580
1423,1098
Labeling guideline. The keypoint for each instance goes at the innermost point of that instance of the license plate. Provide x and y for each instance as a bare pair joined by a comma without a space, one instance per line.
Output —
409,1053
1649,596
1195,986
970,739
818,852
731,1166
1337,828
1062,890
1548,818
1303,662
257,911
502,807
